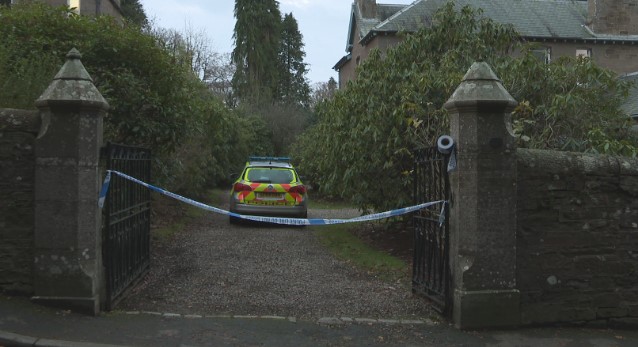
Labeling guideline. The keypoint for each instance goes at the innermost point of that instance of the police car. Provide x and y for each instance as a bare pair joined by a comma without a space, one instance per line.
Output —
269,186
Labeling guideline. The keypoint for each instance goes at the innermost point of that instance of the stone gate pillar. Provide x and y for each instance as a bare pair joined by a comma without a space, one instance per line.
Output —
483,203
68,266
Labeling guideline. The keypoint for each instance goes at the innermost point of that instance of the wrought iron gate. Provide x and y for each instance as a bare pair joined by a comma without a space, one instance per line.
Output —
127,217
430,268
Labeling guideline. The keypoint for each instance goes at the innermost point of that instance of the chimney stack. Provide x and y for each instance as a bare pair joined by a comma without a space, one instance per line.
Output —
613,17
368,8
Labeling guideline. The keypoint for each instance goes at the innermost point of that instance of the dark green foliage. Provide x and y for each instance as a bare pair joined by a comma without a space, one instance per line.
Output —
293,88
283,123
145,90
360,148
571,104
269,82
323,91
133,11
154,102
22,79
268,57
257,37
218,147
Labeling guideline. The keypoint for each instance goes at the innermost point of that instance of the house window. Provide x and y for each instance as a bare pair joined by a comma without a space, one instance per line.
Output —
585,53
543,54
74,5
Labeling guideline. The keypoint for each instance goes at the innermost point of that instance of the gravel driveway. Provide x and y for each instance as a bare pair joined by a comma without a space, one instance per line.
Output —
212,267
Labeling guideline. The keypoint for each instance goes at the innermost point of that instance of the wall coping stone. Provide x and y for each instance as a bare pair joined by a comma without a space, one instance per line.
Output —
20,120
558,162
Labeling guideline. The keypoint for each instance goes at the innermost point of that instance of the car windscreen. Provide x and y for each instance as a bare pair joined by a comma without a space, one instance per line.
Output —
270,175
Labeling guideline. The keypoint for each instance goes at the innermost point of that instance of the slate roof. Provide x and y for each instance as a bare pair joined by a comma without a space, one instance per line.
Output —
539,19
384,11
367,25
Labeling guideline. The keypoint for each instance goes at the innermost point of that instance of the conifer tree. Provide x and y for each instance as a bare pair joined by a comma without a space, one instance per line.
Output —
257,41
293,86
133,11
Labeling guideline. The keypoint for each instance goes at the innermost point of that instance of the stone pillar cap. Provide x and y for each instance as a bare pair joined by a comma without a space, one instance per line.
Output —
73,68
481,87
72,85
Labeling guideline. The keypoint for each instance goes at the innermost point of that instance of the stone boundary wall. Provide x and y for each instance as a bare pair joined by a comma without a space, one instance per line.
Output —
577,239
18,130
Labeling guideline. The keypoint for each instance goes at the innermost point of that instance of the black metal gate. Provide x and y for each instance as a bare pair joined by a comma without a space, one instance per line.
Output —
430,268
127,217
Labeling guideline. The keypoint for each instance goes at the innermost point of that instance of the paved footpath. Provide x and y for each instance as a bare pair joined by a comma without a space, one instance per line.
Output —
25,324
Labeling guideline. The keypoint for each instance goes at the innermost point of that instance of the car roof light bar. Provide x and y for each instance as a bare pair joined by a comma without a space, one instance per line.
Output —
270,159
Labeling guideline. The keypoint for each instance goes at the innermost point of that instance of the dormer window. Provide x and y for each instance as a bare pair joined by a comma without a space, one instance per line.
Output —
585,53
74,5
543,54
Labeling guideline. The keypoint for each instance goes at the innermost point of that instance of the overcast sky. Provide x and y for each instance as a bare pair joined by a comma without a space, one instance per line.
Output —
323,24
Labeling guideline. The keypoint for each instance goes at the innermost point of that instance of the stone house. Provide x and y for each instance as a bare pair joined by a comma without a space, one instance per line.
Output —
631,106
604,30
92,7
85,7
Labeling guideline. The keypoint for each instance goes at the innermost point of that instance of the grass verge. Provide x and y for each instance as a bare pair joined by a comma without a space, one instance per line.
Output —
327,204
351,249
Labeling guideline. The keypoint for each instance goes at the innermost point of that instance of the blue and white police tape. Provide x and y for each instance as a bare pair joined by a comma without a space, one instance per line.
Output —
276,220
105,189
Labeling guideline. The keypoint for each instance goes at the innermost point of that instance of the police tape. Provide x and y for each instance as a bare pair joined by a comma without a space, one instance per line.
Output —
276,220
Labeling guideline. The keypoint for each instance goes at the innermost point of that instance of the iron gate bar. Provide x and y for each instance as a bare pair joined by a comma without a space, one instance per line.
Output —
128,212
430,268
126,236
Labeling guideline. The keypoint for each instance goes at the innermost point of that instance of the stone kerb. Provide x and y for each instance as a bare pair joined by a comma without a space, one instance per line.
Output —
68,266
483,203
